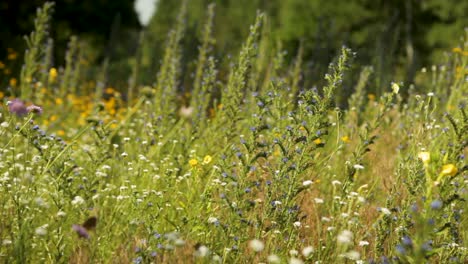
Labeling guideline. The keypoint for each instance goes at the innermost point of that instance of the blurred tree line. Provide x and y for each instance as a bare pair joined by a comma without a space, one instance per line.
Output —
395,37
108,27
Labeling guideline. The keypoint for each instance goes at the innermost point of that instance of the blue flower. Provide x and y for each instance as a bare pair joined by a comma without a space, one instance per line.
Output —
138,260
436,205
406,240
400,249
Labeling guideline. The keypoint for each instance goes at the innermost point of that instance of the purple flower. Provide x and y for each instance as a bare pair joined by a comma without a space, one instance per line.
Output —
81,231
17,107
34,109
436,205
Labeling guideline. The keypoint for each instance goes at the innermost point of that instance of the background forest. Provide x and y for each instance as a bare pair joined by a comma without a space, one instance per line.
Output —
395,37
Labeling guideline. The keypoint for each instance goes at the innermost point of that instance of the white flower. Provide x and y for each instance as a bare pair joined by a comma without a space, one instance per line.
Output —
297,224
273,259
295,261
186,112
293,252
61,214
202,251
212,220
216,259
42,230
124,154
358,167
307,183
385,211
307,251
336,182
345,237
318,200
276,203
353,255
256,245
363,243
179,242
430,94
8,242
77,200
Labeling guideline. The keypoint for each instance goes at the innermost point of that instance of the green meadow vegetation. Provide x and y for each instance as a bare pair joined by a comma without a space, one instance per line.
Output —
252,165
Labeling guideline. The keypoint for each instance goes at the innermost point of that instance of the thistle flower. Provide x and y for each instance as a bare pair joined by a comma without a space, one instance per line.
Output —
81,231
17,107
34,109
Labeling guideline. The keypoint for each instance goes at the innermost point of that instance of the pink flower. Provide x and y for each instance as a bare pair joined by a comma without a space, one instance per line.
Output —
17,107
81,231
34,109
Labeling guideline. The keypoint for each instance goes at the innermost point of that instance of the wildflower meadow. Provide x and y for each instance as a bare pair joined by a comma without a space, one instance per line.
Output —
248,166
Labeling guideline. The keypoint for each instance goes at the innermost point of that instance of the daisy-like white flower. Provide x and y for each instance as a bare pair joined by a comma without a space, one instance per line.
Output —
256,245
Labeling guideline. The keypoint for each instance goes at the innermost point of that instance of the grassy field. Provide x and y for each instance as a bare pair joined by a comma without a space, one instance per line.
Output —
236,171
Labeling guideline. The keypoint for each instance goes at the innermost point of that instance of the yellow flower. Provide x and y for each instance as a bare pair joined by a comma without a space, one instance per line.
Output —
207,159
395,88
318,141
457,50
61,133
2,95
110,90
52,118
58,101
2,65
449,170
193,162
13,82
345,139
12,56
425,157
52,74
371,97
